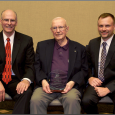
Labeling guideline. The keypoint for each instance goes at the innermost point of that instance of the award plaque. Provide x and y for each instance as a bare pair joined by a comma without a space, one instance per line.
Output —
58,80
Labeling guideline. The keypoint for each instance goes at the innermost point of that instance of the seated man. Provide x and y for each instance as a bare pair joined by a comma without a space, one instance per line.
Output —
16,63
101,58
62,58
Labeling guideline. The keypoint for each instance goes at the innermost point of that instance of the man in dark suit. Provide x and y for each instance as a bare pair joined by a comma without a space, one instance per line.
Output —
101,60
19,87
54,55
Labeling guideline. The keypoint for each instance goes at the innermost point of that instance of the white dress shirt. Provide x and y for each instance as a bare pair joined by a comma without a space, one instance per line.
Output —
11,42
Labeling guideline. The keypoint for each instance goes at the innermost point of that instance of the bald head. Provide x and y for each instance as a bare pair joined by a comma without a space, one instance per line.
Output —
59,29
8,11
60,19
8,21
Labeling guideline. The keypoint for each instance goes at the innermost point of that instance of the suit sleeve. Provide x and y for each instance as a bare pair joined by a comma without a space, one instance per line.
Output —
111,86
29,61
40,75
90,66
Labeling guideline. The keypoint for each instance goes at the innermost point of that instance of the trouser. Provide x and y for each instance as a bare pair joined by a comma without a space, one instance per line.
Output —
90,100
22,101
70,101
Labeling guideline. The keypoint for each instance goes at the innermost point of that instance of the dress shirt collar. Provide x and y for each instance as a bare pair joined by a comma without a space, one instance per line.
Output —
65,47
11,37
108,41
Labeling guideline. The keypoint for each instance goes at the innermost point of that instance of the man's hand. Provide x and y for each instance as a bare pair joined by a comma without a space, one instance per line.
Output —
102,91
46,86
2,92
94,81
22,86
68,87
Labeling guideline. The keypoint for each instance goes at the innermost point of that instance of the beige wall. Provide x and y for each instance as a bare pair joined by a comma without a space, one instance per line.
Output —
34,17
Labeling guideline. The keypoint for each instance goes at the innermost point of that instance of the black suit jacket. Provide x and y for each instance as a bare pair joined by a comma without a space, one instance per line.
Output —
22,56
109,69
78,66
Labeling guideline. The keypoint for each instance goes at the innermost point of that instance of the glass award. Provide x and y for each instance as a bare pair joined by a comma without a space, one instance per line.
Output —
58,80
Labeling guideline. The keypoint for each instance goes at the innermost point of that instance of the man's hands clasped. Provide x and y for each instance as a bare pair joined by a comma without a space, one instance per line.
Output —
96,83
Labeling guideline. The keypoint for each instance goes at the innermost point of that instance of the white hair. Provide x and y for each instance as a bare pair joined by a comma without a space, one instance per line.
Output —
60,18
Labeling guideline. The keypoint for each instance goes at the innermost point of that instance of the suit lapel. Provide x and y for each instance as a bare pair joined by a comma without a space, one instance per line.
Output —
2,47
110,52
97,48
49,54
16,47
72,56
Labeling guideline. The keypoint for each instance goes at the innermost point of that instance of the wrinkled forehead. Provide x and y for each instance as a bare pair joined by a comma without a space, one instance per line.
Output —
58,22
8,15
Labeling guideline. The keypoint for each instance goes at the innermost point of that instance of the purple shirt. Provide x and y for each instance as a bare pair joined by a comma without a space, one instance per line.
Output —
60,59
60,64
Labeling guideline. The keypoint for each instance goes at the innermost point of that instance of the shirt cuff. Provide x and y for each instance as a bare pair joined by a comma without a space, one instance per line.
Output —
27,79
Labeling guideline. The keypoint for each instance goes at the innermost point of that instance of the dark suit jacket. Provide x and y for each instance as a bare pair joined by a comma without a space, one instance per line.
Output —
78,66
22,56
109,69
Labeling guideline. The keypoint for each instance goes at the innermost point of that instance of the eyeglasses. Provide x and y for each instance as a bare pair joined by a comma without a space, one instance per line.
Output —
7,20
61,28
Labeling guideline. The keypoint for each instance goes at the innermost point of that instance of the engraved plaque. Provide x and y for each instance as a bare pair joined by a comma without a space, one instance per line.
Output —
58,80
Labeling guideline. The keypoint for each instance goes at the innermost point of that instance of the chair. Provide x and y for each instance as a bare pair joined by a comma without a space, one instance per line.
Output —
55,102
106,99
7,97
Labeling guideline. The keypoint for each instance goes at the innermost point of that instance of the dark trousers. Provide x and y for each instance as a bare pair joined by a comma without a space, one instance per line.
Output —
22,101
90,100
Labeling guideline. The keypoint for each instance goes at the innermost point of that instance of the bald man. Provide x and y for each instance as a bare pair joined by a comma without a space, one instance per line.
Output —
68,59
16,63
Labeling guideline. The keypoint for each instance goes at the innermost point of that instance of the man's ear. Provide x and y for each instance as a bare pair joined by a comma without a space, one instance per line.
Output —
51,29
67,28
16,22
114,26
0,20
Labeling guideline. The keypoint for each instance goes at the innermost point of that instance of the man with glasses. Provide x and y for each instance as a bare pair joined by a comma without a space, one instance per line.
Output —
59,62
16,63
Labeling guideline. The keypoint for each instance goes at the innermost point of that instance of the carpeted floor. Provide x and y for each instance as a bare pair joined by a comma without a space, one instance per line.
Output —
4,111
103,109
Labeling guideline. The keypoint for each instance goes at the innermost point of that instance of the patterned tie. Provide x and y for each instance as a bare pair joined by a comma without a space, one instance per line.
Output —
103,58
7,69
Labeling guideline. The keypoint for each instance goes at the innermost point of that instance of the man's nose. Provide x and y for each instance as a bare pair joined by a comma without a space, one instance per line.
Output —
104,28
9,22
58,30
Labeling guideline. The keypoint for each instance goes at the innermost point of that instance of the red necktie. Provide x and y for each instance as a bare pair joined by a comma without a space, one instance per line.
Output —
7,69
